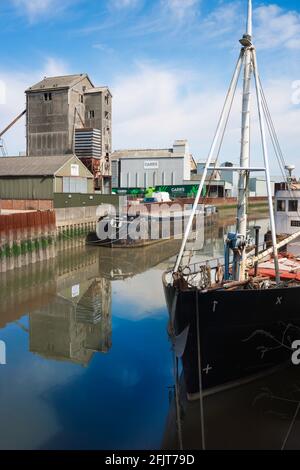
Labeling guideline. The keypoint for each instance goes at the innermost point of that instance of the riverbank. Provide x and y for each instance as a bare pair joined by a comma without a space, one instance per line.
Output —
255,208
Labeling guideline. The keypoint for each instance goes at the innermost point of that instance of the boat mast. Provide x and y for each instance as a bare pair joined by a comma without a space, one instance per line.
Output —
243,185
222,121
238,241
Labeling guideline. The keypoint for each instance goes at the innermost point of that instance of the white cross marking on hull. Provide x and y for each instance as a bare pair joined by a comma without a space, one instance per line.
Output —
279,301
207,369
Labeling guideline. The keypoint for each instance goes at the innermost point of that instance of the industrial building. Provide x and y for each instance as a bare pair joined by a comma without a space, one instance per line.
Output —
258,187
39,178
219,184
152,167
69,115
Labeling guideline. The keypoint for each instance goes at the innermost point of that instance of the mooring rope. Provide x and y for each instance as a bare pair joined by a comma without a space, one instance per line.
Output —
291,427
200,374
177,399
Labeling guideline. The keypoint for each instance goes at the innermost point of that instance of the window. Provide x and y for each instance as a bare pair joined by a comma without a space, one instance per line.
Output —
48,96
80,98
295,223
106,114
74,170
281,205
293,206
91,114
75,185
106,99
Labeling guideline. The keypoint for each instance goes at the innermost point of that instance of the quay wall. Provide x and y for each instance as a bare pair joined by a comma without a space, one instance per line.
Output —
36,230
26,238
26,204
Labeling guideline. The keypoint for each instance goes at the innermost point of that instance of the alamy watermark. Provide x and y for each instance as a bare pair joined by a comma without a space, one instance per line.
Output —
161,221
296,353
2,353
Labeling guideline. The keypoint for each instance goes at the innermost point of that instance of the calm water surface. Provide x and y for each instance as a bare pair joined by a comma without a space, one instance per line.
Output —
89,363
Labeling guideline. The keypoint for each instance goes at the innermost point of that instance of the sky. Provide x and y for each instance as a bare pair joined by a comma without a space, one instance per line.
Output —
168,64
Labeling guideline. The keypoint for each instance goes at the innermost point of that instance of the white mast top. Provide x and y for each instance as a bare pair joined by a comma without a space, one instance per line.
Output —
249,19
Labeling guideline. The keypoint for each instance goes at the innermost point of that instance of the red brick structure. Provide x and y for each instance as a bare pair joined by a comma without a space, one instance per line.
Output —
26,204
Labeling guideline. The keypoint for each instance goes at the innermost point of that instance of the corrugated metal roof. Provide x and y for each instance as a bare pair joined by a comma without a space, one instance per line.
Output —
32,166
52,83
145,153
98,89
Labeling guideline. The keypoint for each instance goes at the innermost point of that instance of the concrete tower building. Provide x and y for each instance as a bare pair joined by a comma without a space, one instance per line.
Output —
67,115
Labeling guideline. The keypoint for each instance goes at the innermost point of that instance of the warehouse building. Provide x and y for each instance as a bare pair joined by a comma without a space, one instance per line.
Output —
219,184
69,115
152,167
258,187
39,178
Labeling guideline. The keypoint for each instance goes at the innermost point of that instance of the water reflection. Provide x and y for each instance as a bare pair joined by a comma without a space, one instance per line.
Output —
89,364
75,325
263,414
80,351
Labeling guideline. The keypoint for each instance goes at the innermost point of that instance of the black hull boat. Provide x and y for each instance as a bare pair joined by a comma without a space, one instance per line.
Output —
127,231
240,317
232,335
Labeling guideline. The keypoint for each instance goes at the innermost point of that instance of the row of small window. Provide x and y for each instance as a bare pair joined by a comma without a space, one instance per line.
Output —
292,205
146,181
92,114
48,97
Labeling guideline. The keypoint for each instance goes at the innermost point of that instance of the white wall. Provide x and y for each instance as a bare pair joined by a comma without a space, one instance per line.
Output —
284,219
165,171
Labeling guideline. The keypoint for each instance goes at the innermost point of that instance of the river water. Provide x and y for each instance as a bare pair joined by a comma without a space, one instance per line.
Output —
89,363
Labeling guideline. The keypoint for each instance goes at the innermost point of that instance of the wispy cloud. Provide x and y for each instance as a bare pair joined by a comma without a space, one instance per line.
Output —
277,27
273,26
181,9
120,4
222,21
38,9
55,67
161,16
103,48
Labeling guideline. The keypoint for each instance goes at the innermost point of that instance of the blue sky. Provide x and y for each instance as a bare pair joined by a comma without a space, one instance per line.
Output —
168,63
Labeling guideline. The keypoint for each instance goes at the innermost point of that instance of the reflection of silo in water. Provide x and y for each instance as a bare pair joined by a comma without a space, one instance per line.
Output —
73,329
94,311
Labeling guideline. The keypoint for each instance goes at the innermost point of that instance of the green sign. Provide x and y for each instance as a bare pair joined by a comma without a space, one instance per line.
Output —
186,190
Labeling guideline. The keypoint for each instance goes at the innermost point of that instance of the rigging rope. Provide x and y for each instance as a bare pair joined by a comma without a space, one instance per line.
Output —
276,145
216,159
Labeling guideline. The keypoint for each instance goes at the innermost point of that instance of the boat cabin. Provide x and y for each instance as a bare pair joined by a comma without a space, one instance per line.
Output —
287,207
